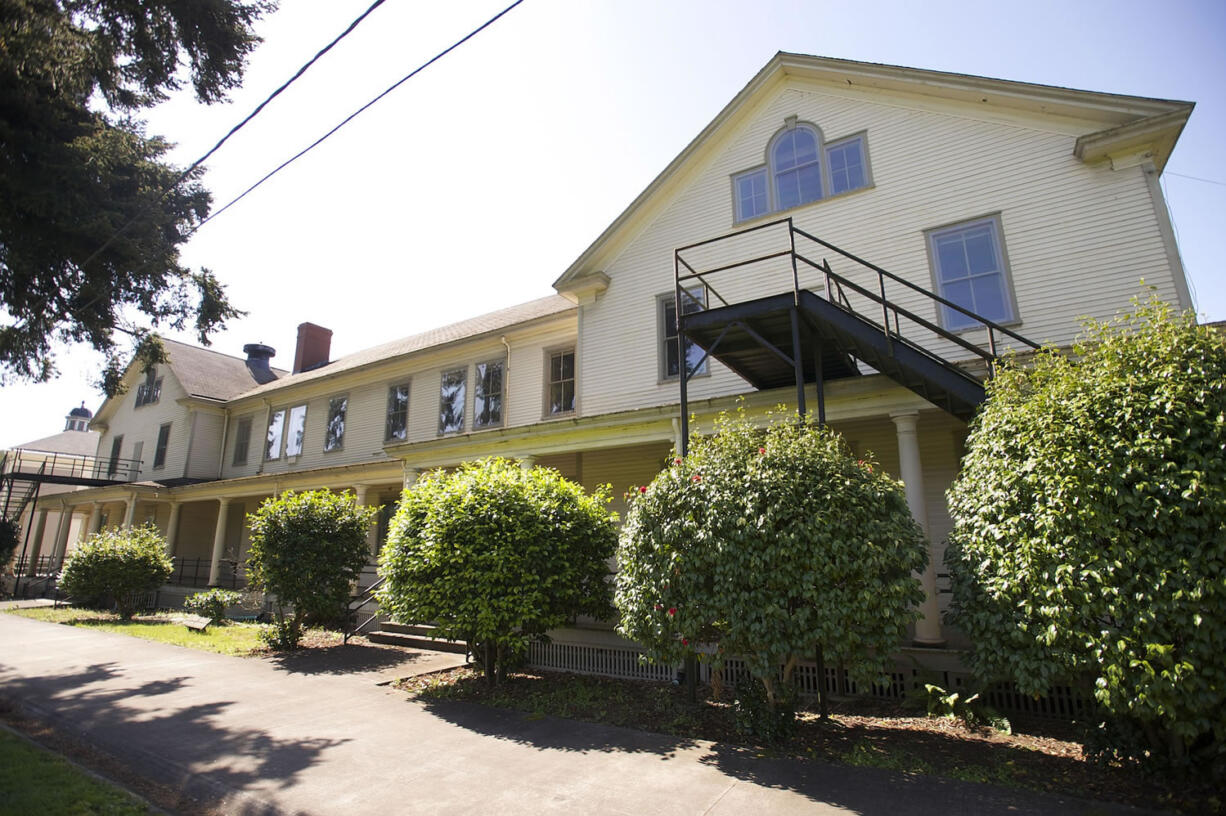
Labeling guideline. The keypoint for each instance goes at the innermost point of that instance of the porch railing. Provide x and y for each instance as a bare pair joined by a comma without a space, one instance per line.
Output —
194,572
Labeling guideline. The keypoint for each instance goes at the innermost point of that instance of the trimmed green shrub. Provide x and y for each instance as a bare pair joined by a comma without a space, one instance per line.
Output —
307,549
1089,541
212,603
497,555
116,566
766,544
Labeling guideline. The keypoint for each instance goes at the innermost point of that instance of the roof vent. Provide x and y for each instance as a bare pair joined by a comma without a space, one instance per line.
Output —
314,346
258,356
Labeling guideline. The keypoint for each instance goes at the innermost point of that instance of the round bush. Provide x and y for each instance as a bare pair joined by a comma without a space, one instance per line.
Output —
497,555
116,566
1090,530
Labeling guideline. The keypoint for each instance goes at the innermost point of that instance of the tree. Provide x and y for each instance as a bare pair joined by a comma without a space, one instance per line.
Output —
497,555
767,544
88,237
10,538
307,549
1089,533
116,566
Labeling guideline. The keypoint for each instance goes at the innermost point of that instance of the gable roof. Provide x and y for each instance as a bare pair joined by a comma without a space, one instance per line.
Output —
209,374
503,319
1116,112
81,443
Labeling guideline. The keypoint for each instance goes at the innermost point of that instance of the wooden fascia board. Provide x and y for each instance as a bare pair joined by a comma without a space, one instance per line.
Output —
1158,134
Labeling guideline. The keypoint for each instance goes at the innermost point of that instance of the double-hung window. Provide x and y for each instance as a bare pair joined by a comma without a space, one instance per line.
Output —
693,300
242,441
334,431
116,446
291,432
150,390
397,413
453,391
800,168
159,452
560,391
968,265
487,398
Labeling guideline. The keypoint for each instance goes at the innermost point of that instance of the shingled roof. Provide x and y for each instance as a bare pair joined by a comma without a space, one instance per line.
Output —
465,329
210,374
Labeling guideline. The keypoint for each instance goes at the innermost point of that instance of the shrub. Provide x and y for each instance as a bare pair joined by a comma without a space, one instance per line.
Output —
9,539
1089,540
116,566
212,603
307,549
767,544
497,555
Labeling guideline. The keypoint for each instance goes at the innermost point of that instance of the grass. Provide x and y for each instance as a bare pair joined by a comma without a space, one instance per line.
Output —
34,780
1039,755
167,627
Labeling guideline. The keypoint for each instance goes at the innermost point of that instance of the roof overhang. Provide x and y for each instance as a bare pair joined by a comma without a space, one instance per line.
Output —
1152,138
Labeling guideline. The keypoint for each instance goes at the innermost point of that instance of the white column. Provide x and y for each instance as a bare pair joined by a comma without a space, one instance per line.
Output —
172,527
61,537
129,515
219,540
928,627
360,493
410,477
36,540
95,520
527,462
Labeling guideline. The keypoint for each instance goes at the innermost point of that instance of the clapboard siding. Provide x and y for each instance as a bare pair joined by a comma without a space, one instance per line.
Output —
141,425
1078,238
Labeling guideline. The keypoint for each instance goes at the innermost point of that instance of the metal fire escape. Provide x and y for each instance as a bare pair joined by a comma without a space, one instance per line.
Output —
863,319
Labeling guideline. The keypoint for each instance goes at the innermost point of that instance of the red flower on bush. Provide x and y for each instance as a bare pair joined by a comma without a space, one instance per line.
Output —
761,451
684,642
643,489
696,478
672,610
658,607
676,461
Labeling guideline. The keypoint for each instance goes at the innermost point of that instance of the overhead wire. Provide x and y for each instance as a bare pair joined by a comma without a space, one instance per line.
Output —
355,114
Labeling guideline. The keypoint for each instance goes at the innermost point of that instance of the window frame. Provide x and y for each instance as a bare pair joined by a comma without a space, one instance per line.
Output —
1008,296
338,443
149,391
301,410
459,429
824,146
387,417
160,447
112,466
662,303
271,455
547,411
478,381
245,439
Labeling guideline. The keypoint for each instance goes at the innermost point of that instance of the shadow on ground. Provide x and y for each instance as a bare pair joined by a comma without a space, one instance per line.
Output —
118,718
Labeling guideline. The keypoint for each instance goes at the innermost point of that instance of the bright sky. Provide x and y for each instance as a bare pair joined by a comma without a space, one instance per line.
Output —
475,184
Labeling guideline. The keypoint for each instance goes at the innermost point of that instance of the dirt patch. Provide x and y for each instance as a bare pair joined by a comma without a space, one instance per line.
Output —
1039,755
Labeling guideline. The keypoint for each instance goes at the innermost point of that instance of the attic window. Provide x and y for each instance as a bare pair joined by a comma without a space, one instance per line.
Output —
801,167
150,390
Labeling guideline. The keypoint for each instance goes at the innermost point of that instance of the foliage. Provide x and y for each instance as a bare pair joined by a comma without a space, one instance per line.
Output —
1090,530
970,708
497,555
116,566
88,237
212,603
236,639
758,716
35,780
767,543
10,538
307,549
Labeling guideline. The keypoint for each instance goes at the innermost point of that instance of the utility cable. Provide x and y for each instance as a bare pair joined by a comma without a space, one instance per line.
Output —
355,114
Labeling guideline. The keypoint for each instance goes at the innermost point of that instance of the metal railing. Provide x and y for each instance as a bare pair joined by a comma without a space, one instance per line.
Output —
66,467
885,312
354,624
194,572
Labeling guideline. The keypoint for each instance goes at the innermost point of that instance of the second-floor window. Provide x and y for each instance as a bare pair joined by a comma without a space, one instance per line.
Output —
487,399
242,441
159,452
288,426
560,390
334,433
453,390
295,431
116,446
800,168
397,412
968,264
670,348
149,391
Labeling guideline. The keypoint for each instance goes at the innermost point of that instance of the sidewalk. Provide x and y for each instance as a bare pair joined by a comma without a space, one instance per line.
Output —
284,736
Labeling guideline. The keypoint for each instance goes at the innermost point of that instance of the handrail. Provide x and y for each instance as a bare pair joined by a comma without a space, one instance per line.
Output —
68,465
356,603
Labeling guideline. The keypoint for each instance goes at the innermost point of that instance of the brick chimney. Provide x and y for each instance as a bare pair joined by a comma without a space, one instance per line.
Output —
258,356
314,344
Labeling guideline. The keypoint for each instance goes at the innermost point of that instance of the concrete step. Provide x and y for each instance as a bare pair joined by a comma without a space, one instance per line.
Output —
414,636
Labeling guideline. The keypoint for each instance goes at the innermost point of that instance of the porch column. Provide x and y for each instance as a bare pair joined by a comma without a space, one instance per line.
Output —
928,627
172,527
527,462
61,538
36,541
95,519
410,477
219,540
129,515
360,493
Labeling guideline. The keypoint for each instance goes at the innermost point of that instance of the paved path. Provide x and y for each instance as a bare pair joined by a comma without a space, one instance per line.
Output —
269,736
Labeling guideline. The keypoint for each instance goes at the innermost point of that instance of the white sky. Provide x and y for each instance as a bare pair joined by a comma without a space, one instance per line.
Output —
475,184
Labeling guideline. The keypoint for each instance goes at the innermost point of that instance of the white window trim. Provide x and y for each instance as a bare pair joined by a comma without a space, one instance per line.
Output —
387,412
502,411
662,365
340,445
548,381
1002,254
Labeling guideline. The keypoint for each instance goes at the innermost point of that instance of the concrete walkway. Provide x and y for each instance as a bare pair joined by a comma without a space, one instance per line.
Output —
269,736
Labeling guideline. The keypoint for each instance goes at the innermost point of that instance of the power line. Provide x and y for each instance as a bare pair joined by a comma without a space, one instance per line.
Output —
1195,178
355,114
186,173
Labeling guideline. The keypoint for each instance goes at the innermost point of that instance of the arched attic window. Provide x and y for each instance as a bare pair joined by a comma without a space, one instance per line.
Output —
796,166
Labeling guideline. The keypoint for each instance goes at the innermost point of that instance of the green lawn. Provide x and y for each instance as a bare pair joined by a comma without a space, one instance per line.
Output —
34,780
167,627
